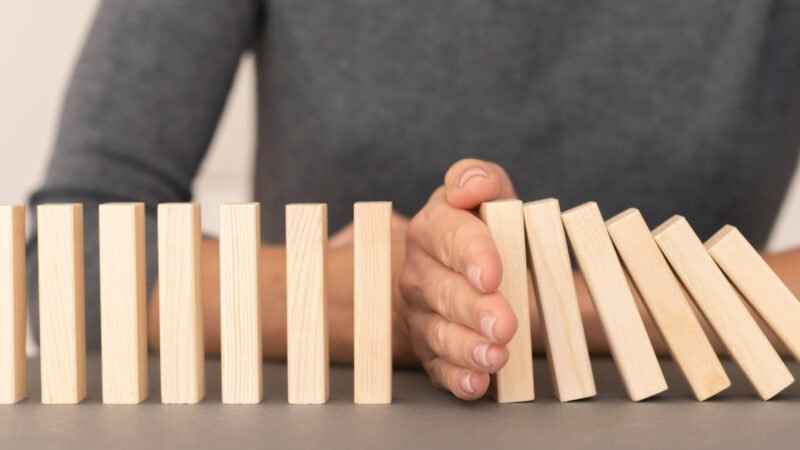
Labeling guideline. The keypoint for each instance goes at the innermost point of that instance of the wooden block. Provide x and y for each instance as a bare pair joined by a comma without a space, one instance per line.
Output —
123,302
62,339
722,307
762,288
668,304
372,358
514,382
240,308
627,338
180,304
306,309
567,353
12,304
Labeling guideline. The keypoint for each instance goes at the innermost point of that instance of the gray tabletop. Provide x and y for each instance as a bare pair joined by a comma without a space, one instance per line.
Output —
420,417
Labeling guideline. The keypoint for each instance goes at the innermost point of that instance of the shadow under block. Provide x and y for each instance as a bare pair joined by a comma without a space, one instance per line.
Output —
240,308
722,307
514,382
761,287
627,338
567,352
306,310
123,300
372,358
12,304
180,304
668,304
62,340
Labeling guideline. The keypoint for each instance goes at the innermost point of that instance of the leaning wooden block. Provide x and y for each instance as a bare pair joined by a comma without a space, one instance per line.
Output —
372,358
565,340
12,304
668,304
722,307
62,340
306,297
240,309
762,288
180,304
514,382
619,316
123,300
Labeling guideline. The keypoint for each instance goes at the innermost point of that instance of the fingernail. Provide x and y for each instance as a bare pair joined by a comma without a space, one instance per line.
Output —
487,325
474,275
465,383
470,174
481,356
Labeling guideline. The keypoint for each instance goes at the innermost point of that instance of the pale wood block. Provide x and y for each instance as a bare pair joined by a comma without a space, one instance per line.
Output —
372,358
123,302
62,339
722,307
514,382
668,304
12,304
240,308
627,338
759,284
307,310
567,352
180,304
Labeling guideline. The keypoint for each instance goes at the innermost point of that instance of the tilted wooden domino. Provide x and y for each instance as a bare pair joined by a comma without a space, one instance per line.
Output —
514,382
372,358
668,304
722,307
123,303
759,284
62,339
12,304
240,308
627,338
567,352
180,304
306,296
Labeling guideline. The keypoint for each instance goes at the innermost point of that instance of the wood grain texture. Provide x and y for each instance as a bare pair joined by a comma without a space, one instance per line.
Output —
372,357
565,341
514,382
668,304
12,304
123,301
62,339
759,284
307,310
180,304
240,308
722,307
627,338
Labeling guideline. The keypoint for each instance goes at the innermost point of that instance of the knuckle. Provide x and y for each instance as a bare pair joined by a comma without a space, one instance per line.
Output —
438,335
445,296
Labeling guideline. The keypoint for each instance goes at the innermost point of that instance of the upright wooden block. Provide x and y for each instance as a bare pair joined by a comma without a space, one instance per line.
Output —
12,304
668,304
722,307
180,304
762,288
514,382
123,300
306,309
624,329
372,358
62,340
567,353
240,308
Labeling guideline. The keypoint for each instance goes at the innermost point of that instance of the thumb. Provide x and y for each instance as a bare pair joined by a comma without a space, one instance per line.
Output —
470,182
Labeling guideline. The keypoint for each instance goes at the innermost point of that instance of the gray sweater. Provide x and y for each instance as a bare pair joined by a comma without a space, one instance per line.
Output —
668,106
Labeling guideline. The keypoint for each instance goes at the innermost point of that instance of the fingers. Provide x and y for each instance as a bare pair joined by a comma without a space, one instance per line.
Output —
464,384
470,182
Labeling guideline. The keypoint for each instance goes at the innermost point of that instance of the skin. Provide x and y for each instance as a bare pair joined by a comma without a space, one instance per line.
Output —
447,315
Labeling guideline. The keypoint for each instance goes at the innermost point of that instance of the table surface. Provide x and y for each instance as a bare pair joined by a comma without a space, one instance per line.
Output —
420,417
